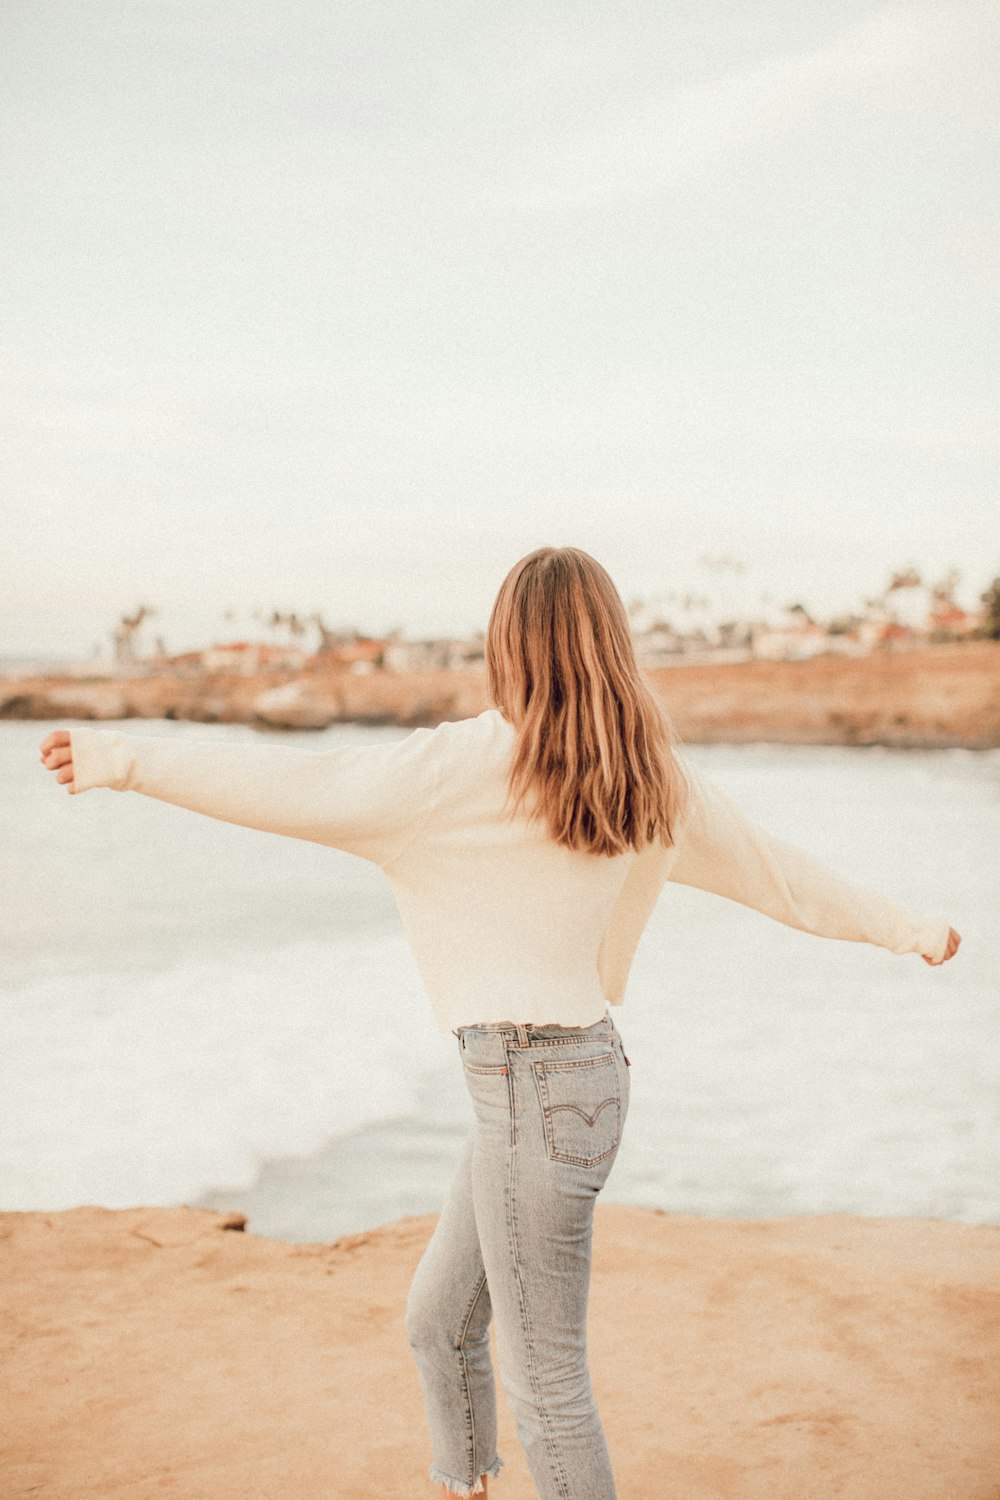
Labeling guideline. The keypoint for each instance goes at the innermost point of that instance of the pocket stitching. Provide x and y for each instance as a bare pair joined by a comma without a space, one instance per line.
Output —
558,1041
574,1062
539,1068
590,1119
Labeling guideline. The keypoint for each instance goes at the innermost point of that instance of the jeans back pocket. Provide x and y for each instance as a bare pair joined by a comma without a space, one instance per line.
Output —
580,1100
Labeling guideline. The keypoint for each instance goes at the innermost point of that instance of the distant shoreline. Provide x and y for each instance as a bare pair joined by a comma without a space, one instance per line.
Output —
931,697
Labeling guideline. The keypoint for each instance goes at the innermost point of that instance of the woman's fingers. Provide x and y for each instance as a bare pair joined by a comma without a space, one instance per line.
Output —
56,754
56,738
954,938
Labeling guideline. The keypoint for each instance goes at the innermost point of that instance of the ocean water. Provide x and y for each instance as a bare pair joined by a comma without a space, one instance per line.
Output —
196,1013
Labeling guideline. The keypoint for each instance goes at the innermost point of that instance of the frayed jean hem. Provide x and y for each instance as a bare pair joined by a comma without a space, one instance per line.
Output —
458,1486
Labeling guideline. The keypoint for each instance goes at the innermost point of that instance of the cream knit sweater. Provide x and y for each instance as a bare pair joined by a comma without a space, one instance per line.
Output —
504,923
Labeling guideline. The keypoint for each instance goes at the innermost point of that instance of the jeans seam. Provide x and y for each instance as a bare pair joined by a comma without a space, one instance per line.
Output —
525,1324
465,1374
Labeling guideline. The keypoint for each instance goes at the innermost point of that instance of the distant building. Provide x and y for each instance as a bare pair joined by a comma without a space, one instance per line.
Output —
948,620
462,654
445,653
658,645
413,656
362,654
792,637
929,612
889,635
245,658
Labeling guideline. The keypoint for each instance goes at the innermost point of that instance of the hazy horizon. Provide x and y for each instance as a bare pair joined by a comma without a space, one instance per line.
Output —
345,307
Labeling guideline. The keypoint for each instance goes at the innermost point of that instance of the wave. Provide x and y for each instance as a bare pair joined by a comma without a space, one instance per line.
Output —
125,1091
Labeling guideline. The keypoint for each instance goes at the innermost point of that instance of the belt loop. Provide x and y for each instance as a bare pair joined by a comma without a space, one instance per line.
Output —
522,1034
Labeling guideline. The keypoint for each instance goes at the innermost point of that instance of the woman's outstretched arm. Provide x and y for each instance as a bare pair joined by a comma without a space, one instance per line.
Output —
721,850
366,799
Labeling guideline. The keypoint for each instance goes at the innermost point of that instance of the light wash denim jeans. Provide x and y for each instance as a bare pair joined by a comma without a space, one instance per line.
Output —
514,1240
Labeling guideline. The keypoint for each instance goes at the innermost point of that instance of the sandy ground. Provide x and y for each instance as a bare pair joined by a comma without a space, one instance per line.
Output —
934,696
156,1352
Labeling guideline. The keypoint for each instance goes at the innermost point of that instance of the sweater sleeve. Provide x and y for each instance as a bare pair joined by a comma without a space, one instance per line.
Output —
722,851
368,800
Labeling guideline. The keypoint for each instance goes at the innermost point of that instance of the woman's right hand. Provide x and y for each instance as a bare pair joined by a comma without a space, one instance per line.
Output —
56,754
953,941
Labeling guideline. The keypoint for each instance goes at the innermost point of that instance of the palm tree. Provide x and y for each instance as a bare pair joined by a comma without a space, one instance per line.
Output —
124,633
991,598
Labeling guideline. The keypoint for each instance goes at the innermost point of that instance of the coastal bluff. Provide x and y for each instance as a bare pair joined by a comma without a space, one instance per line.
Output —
172,1352
929,697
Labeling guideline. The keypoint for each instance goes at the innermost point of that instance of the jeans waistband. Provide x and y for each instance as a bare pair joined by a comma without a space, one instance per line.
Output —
528,1031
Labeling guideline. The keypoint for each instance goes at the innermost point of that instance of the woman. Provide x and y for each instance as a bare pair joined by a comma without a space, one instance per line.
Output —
526,848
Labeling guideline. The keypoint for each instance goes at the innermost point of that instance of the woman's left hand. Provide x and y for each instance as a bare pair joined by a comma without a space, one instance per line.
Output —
953,941
57,755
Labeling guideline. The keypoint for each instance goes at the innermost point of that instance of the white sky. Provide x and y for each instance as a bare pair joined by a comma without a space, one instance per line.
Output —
346,306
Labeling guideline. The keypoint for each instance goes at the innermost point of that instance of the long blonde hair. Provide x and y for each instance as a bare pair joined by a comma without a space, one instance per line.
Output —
594,742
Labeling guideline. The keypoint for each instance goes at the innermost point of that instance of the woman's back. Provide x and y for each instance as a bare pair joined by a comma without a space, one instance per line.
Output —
504,921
